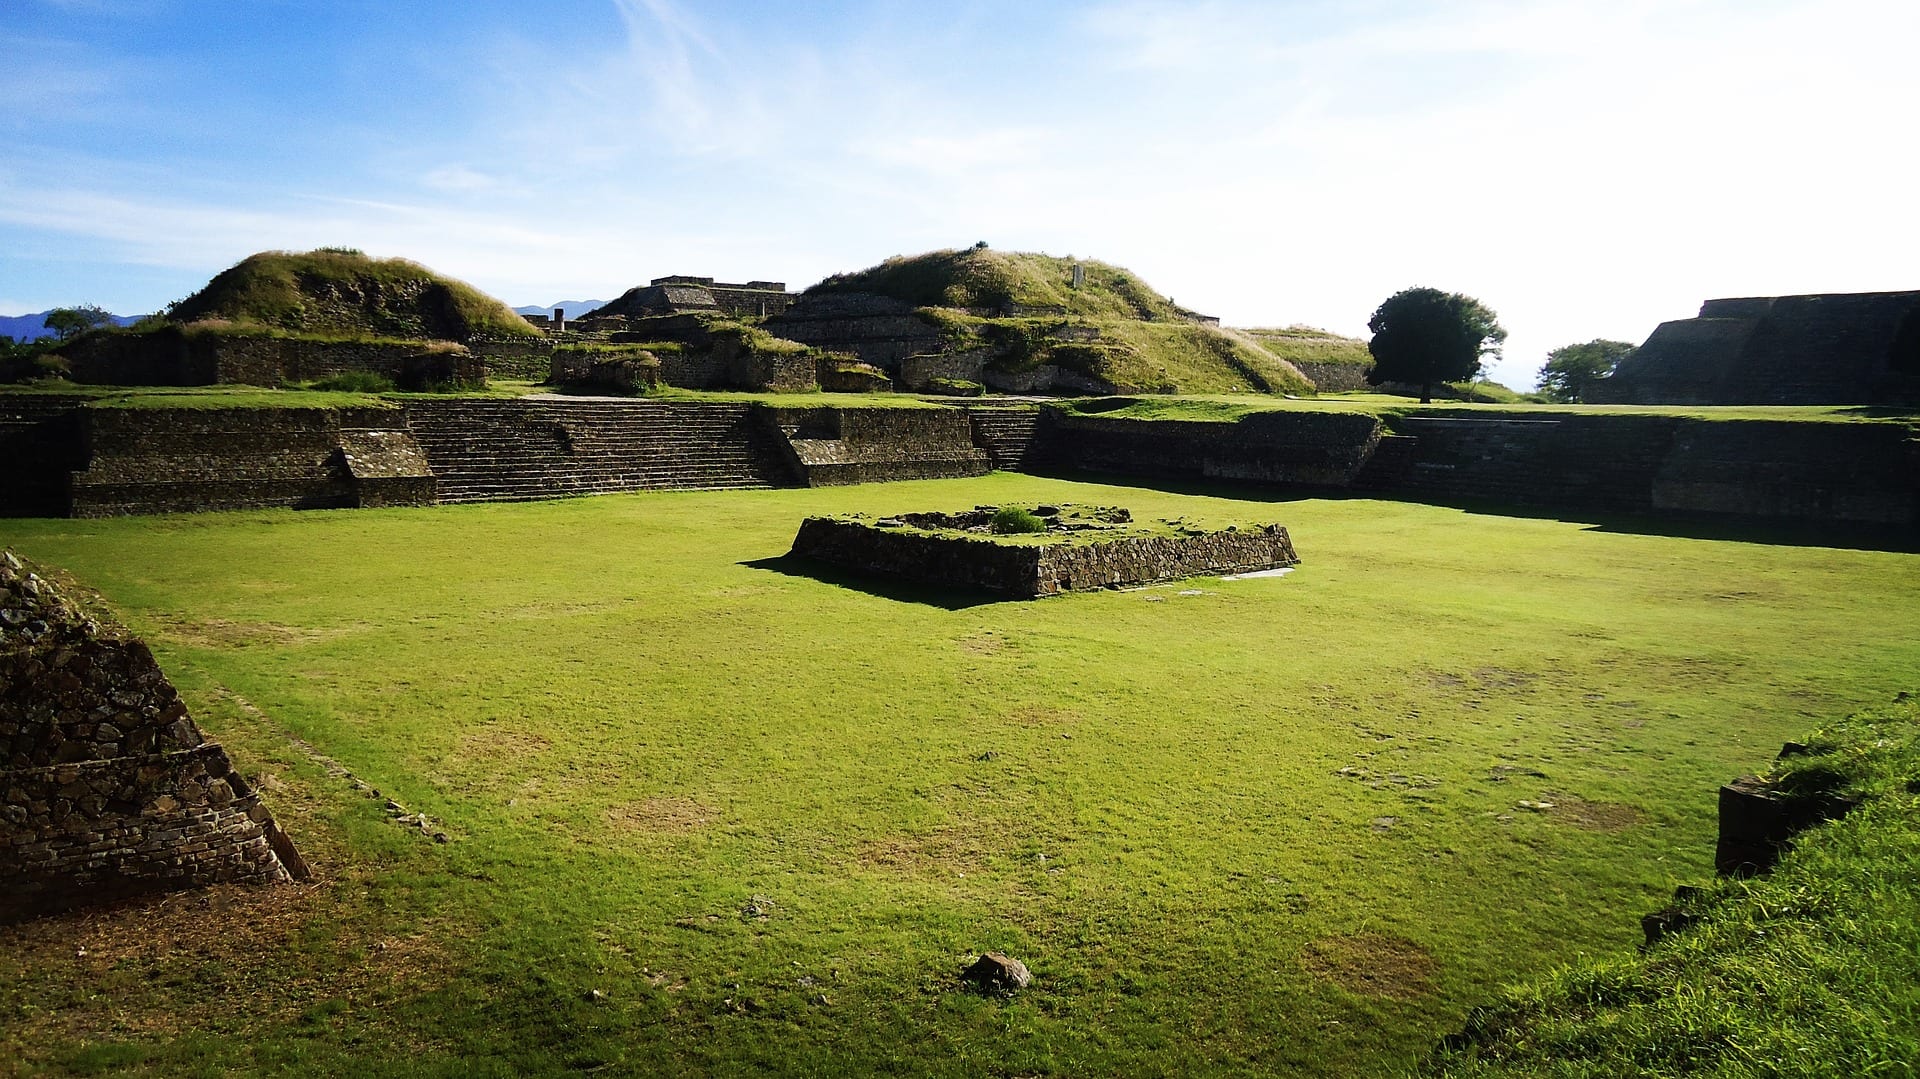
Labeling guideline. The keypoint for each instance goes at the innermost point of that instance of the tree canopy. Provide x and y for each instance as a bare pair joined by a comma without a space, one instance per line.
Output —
68,323
1423,336
1571,369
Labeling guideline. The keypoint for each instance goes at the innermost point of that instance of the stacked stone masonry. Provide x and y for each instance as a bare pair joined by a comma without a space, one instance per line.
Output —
1034,569
517,450
165,460
107,788
67,458
171,357
1834,349
833,446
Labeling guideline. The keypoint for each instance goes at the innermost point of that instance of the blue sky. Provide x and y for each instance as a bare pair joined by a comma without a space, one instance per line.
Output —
1585,167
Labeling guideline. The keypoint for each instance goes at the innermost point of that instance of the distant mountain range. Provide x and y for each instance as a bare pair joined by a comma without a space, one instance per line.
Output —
573,308
33,327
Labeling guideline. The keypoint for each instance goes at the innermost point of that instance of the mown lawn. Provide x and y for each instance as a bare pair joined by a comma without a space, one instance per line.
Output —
1260,825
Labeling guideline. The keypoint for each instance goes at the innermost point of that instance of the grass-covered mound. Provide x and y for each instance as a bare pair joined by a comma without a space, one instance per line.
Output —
343,292
981,277
1305,345
1812,970
1113,329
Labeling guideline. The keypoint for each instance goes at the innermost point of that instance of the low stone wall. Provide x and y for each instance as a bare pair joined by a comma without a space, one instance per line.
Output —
1031,570
1847,472
1866,473
881,331
834,446
617,370
171,357
1603,462
1314,448
1334,377
41,446
167,460
107,788
514,357
918,372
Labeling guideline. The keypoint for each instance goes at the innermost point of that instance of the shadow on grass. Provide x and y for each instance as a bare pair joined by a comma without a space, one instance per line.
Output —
949,599
1842,535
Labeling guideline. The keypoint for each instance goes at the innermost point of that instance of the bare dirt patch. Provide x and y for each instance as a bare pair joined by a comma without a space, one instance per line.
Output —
502,742
661,814
1373,965
1593,816
983,644
945,850
1039,716
165,965
226,633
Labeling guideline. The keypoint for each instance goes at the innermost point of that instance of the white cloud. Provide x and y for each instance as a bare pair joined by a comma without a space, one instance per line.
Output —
458,178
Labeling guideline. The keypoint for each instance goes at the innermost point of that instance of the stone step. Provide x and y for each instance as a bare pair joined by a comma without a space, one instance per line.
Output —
513,450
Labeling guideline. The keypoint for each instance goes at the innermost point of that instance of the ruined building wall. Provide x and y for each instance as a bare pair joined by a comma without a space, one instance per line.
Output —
169,357
1834,349
834,446
1317,448
107,788
162,460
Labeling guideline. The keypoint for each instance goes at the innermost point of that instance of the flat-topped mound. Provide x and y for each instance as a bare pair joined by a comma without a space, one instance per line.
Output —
342,292
1040,550
957,321
984,278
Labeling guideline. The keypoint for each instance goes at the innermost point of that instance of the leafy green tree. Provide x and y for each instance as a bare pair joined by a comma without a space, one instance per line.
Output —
1571,369
1423,336
68,323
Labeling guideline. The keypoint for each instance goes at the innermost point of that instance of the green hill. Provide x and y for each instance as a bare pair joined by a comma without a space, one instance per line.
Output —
1026,310
343,292
983,278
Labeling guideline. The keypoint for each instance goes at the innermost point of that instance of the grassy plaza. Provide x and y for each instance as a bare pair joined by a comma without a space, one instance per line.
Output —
712,809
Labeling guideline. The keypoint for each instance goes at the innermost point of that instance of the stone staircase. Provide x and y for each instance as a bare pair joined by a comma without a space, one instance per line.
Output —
1007,434
518,450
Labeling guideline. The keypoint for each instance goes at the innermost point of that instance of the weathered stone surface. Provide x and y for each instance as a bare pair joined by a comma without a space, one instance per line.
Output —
1833,349
833,446
1758,823
997,974
163,460
170,357
107,788
912,552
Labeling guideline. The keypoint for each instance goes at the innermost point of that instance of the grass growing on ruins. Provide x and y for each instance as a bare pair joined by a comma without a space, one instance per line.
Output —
770,812
1227,407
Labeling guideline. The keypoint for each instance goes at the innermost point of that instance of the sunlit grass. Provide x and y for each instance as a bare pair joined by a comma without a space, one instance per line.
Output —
1262,825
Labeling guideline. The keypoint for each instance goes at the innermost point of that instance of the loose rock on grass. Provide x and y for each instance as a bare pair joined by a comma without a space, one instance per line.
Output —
998,975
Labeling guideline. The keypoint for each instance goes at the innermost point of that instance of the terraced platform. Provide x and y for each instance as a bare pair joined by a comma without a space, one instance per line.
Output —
520,450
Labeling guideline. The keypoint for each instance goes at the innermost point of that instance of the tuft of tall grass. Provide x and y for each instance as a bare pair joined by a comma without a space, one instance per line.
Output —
1811,970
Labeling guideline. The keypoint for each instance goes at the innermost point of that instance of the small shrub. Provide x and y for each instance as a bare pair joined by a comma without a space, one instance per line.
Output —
356,382
1013,520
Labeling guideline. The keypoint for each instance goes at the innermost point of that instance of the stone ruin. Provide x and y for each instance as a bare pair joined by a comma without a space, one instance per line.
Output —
684,294
1081,547
1832,349
107,788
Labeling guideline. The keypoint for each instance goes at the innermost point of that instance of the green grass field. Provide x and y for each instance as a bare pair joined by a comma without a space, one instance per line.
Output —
1265,825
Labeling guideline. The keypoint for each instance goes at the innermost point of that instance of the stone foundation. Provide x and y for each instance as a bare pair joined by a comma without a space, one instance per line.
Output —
165,460
176,357
954,550
107,788
833,446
